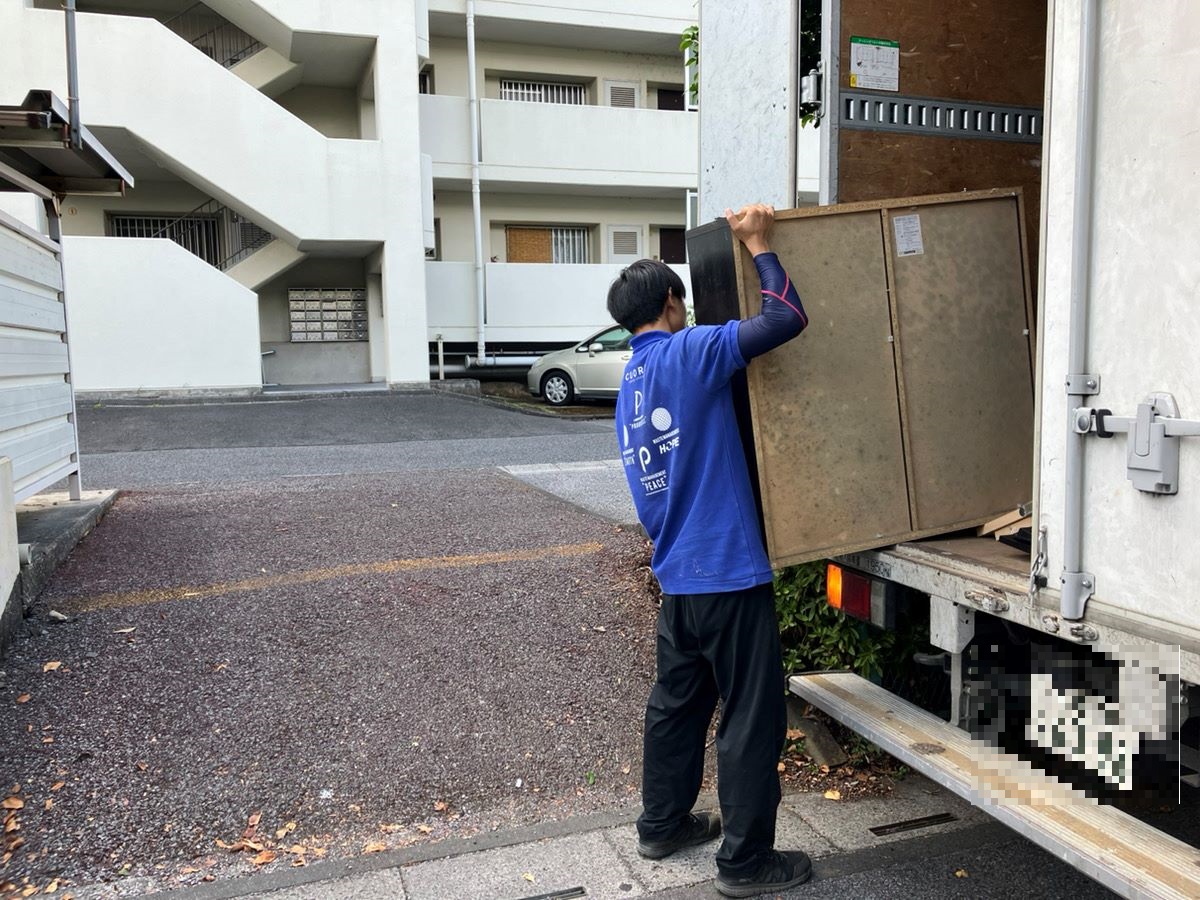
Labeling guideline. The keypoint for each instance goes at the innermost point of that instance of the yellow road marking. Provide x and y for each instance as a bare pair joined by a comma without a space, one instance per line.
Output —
387,567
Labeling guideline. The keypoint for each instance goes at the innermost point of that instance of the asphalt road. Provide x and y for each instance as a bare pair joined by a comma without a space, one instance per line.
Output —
219,443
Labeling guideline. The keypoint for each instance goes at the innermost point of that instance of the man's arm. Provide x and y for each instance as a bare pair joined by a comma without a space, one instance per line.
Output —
782,317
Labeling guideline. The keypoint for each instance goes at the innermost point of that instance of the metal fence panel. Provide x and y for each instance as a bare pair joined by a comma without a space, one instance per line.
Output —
37,412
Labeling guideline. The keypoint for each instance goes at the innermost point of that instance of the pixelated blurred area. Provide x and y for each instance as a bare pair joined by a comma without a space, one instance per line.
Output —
1102,719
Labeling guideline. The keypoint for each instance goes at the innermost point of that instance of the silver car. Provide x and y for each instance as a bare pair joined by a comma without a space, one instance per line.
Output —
592,368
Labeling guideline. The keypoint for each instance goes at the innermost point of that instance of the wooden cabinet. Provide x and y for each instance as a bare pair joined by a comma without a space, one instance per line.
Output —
906,407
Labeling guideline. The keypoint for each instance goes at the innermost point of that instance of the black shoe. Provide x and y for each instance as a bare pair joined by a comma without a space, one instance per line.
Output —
697,828
778,872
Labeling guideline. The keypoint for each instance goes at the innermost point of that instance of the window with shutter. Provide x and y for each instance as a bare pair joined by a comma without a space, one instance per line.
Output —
622,93
566,244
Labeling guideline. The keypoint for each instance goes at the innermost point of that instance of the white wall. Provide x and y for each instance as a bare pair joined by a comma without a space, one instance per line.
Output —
1143,323
560,144
195,329
527,302
662,17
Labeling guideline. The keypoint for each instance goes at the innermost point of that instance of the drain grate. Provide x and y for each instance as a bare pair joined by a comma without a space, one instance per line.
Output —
913,824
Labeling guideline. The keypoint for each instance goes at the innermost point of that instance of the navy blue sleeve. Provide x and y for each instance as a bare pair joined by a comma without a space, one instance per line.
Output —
782,316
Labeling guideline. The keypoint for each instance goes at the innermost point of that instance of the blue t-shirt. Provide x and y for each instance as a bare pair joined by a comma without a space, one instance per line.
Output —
684,460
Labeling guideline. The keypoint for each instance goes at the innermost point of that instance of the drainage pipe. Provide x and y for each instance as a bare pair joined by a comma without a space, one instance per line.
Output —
1077,585
476,210
73,78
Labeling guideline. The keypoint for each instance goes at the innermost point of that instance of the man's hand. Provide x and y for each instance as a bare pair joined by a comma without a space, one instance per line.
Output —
751,224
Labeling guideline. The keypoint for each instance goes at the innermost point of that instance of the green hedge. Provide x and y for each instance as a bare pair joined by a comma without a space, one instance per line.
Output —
816,636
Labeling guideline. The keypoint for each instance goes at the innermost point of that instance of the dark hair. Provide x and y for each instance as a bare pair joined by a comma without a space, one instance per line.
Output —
639,293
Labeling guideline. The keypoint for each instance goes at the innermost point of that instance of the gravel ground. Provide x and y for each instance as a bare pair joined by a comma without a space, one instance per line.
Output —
438,698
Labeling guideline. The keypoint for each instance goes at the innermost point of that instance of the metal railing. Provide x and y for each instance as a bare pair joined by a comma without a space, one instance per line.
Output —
214,35
215,233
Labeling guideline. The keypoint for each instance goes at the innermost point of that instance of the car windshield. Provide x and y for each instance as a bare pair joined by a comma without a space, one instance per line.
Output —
612,339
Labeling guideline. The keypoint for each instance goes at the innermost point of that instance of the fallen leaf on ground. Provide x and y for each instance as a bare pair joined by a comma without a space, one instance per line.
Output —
30,891
440,806
285,830
391,829
794,734
298,849
264,857
425,829
255,818
142,766
961,873
24,698
781,767
205,878
58,785
52,886
11,824
833,794
625,769
528,876
599,628
299,861
47,740
374,847
189,870
49,804
824,770
126,630
13,803
51,666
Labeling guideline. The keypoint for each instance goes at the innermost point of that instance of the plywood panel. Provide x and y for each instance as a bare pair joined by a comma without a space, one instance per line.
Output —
877,165
965,367
983,52
826,421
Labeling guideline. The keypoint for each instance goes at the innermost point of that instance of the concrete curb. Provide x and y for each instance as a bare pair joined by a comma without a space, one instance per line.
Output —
459,386
52,524
315,873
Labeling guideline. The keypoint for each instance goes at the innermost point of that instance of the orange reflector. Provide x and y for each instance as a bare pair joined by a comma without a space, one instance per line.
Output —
848,591
833,585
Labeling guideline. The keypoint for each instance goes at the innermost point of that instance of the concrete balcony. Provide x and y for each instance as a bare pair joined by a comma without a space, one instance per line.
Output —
630,26
524,300
537,144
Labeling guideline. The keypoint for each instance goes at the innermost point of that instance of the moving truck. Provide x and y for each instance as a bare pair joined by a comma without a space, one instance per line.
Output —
1072,660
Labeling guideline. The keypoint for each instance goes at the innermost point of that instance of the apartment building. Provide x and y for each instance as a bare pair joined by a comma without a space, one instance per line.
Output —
304,210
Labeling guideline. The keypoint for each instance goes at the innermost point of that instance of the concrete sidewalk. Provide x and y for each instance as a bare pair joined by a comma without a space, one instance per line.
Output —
597,853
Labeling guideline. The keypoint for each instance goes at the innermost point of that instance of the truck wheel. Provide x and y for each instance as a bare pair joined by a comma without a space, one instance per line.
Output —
557,388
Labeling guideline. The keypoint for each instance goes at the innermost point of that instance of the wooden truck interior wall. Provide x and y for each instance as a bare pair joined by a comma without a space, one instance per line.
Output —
906,408
972,52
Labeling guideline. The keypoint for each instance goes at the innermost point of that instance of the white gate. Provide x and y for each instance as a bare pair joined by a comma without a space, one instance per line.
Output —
37,406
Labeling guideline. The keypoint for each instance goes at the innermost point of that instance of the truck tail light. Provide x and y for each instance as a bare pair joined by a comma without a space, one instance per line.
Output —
848,591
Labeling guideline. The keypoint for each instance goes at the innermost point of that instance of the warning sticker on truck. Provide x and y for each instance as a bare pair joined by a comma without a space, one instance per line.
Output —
874,64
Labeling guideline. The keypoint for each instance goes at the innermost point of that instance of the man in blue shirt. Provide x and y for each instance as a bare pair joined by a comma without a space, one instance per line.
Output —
718,636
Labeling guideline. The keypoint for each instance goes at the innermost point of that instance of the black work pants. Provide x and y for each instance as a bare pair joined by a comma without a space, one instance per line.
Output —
714,646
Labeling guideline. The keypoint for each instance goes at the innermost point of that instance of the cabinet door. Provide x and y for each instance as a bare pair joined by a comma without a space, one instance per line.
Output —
826,422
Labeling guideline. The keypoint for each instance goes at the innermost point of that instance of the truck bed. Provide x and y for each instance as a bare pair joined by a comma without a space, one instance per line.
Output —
977,560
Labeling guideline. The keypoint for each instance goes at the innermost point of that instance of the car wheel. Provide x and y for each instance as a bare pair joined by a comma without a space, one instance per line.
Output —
557,389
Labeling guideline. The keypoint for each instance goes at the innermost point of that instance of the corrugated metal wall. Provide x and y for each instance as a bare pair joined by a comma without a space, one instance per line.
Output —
37,409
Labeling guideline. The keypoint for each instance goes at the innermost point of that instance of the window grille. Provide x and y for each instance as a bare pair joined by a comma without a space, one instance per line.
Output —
543,92
569,245
196,234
